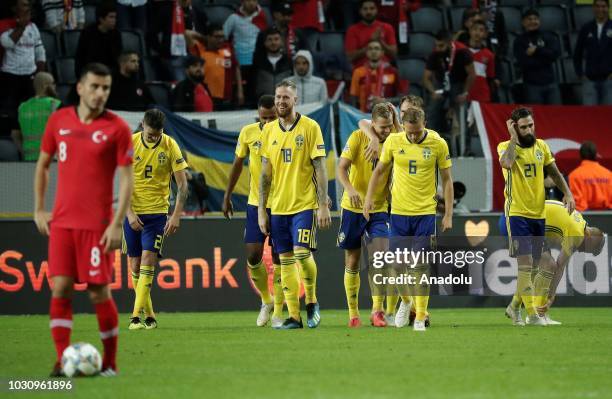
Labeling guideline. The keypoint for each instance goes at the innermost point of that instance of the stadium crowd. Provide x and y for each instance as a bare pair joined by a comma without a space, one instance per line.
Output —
205,55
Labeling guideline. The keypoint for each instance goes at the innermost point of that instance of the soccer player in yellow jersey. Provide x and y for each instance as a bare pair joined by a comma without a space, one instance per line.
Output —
249,144
156,158
354,172
571,234
524,160
416,157
293,162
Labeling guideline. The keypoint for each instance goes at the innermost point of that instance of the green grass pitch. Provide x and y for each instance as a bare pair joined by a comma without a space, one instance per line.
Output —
468,353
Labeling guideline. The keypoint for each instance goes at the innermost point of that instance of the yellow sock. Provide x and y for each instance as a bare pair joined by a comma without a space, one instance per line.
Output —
259,276
279,298
391,304
148,308
525,290
309,273
145,281
421,297
541,286
516,301
351,287
377,303
291,285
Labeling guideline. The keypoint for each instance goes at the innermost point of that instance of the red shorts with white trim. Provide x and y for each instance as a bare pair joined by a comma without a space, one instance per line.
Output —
78,254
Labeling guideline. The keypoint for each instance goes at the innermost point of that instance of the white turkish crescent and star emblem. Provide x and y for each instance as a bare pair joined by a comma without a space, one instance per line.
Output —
98,137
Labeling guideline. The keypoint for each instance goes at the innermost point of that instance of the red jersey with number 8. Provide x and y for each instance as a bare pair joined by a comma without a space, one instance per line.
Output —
87,157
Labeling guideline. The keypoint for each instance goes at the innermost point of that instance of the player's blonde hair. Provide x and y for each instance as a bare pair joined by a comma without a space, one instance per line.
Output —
287,83
381,110
414,115
413,101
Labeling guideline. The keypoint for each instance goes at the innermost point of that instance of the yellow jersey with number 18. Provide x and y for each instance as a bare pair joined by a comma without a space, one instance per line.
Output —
290,152
415,172
524,189
361,172
154,163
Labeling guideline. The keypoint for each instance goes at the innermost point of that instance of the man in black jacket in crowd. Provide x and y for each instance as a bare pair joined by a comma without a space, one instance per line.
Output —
594,47
191,94
536,52
272,65
128,93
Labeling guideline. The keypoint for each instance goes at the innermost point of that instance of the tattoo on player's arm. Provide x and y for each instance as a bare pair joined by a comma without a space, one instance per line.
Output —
508,157
321,177
265,181
556,176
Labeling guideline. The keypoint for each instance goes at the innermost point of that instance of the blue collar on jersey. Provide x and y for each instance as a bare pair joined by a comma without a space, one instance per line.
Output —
292,126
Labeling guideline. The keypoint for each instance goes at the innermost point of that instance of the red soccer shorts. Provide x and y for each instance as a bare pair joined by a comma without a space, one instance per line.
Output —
78,254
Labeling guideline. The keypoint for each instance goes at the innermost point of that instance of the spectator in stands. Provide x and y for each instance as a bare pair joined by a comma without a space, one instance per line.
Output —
310,89
497,37
271,66
308,14
396,13
168,18
191,94
24,55
536,52
469,16
293,40
128,92
484,64
369,28
375,81
594,47
33,115
242,28
221,70
100,41
448,78
132,14
64,15
591,183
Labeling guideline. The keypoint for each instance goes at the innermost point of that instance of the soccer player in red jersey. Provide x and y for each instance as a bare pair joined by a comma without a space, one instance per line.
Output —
90,144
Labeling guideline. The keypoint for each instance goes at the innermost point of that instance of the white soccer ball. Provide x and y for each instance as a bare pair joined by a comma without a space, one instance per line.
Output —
81,359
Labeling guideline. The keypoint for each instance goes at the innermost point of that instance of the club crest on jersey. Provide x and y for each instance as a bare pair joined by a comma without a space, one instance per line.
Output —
539,155
299,141
161,158
257,145
98,137
341,237
426,153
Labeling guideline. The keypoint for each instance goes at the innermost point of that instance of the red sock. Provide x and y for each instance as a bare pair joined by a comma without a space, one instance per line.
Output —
60,314
108,321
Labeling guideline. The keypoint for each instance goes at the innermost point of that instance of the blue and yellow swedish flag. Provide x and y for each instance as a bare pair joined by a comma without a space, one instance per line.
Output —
211,152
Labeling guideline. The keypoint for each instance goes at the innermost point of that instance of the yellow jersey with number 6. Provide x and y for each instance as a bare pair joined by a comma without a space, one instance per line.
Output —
154,164
415,172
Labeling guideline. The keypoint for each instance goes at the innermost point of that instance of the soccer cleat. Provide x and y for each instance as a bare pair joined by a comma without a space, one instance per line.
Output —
108,372
264,314
419,325
136,324
403,314
514,315
291,324
377,319
390,319
57,371
355,322
276,322
535,320
150,323
313,317
551,322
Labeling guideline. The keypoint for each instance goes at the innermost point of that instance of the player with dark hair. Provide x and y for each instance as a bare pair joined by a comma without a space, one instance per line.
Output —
249,144
157,157
523,159
90,144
